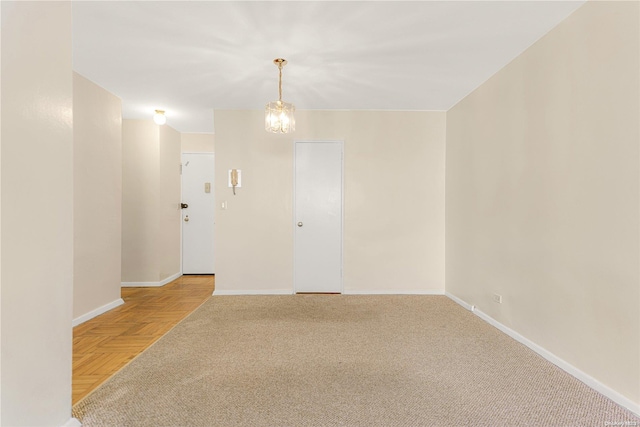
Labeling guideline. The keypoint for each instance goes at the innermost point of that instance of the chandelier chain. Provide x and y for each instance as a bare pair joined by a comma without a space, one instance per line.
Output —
280,82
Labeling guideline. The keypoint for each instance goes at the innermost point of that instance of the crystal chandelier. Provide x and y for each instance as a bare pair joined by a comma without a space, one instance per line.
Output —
278,117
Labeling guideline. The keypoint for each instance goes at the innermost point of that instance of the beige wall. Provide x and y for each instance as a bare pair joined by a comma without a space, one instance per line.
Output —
140,200
198,142
97,217
542,195
169,210
150,200
37,213
394,200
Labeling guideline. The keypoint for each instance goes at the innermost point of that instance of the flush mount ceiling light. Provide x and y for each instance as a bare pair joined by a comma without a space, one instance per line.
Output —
159,117
278,117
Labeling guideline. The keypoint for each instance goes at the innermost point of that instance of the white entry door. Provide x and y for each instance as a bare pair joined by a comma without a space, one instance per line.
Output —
318,216
198,216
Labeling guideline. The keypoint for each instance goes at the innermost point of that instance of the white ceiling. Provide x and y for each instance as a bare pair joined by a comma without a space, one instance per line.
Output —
192,57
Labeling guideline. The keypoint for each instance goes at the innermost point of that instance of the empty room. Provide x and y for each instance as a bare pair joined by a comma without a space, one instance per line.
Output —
320,213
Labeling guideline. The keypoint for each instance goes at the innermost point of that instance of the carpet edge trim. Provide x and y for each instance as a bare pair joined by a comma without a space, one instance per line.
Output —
219,292
395,292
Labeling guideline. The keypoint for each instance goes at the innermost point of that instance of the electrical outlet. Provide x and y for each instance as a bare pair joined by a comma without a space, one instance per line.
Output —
497,298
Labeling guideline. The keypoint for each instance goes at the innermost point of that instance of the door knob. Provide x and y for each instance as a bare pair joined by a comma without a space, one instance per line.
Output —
186,218
300,224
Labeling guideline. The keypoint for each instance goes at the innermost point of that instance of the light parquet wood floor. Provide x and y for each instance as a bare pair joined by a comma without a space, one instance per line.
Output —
106,343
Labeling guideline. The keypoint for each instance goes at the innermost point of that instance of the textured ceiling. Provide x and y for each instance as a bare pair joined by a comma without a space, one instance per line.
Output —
192,57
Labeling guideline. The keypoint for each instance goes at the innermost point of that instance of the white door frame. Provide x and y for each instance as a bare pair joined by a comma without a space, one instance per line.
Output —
293,219
181,193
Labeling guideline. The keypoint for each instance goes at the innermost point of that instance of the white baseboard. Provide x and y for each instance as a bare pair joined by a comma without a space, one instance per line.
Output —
98,311
73,422
460,302
394,292
218,292
357,292
150,284
560,363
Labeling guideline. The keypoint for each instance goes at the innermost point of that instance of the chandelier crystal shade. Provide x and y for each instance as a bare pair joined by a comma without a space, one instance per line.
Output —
279,115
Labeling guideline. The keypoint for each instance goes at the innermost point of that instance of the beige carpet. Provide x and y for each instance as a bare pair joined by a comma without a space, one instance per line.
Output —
332,360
